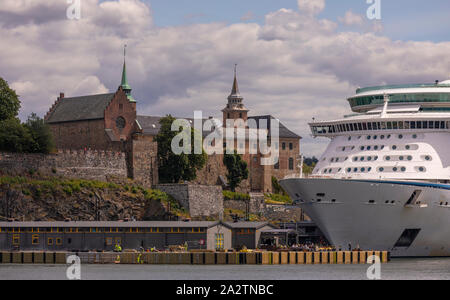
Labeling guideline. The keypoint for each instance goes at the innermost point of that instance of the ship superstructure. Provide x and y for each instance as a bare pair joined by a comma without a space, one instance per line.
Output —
382,182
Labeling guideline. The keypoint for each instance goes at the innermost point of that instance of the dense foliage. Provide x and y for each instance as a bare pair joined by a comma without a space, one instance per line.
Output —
174,168
237,169
9,101
309,164
228,195
32,137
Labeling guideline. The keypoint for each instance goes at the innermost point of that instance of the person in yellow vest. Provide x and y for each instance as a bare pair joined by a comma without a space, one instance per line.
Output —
117,248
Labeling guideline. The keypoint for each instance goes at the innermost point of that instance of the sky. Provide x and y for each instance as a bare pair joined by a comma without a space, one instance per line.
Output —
297,59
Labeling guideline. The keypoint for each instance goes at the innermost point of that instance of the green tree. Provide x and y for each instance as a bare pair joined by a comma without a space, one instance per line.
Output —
14,137
237,169
176,167
276,187
9,101
42,136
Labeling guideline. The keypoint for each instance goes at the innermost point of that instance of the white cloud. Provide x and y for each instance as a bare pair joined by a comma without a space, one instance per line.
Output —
351,18
248,16
311,7
295,66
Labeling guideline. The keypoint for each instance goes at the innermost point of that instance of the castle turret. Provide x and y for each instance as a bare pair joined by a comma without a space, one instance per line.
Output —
235,108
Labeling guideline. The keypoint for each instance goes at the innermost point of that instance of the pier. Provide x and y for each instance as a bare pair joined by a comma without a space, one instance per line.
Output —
195,258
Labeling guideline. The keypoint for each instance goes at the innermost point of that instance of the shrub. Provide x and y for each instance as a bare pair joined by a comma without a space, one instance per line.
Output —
228,195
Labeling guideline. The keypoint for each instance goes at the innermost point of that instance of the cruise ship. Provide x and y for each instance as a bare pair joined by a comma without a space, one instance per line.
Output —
383,181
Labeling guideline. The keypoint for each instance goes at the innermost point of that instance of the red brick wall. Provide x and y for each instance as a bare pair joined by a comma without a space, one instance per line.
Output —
90,134
121,107
82,134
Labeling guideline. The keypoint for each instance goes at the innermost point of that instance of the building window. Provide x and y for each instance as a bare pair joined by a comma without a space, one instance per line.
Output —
50,241
291,163
35,239
291,146
108,241
120,123
277,165
58,241
219,241
16,239
283,146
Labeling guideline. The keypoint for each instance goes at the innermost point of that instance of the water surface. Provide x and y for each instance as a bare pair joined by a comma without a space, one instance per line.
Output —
415,269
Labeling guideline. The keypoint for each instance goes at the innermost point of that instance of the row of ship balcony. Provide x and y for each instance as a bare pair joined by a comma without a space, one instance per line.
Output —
338,129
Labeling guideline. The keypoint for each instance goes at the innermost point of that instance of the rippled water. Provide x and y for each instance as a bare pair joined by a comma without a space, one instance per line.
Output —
397,269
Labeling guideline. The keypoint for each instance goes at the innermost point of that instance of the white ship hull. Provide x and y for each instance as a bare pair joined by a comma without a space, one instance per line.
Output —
355,212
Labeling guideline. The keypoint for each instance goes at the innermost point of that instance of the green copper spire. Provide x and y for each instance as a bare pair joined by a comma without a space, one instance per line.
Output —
125,86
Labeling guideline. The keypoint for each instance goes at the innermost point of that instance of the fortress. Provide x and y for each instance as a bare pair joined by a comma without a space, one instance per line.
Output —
109,122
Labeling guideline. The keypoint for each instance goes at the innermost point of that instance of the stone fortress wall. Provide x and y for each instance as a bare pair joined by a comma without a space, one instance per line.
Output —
89,164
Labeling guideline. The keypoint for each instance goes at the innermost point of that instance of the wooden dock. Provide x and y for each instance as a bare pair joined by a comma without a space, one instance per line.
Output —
196,258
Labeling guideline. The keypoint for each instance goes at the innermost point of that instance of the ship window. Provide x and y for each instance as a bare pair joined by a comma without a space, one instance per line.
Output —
369,158
363,169
382,137
355,169
381,169
369,169
403,169
372,201
428,158
410,158
395,169
401,158
368,148
349,170
394,147
414,136
375,137
414,197
407,238
388,158
362,148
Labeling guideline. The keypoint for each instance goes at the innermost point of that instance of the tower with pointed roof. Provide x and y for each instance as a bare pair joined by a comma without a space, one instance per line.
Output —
124,85
235,108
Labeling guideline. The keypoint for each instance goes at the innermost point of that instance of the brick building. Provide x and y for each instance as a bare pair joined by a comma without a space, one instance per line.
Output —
110,122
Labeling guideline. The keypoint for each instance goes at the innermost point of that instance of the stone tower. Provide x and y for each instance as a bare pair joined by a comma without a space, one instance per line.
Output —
235,108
